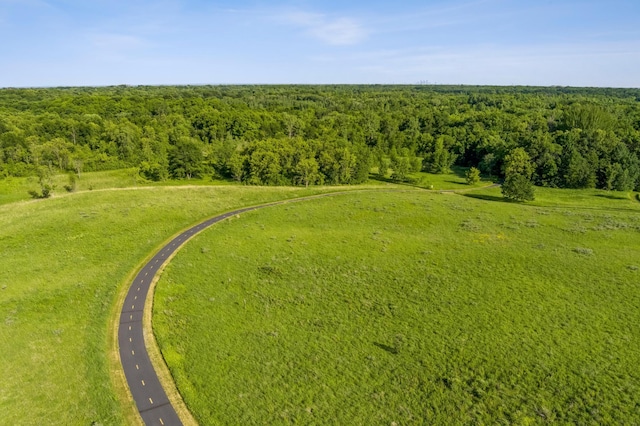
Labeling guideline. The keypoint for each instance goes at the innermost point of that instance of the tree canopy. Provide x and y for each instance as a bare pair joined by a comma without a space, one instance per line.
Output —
305,135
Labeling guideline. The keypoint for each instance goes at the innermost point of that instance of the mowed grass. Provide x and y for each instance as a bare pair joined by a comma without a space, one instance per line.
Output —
62,263
410,308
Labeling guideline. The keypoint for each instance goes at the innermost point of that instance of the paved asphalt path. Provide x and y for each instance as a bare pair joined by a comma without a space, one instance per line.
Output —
148,394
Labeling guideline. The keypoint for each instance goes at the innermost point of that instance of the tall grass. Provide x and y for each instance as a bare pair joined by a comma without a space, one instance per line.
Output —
410,308
62,262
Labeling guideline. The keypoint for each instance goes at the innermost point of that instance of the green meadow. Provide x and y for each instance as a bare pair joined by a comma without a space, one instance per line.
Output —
14,189
455,180
63,262
410,307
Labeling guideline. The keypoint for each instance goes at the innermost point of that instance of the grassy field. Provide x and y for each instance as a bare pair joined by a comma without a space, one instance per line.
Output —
456,180
14,189
17,188
63,261
410,308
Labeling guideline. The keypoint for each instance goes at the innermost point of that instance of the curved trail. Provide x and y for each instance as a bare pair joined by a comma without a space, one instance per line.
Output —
145,387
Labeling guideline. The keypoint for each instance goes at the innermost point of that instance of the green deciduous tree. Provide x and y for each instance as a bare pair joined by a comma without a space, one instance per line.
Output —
382,163
237,165
518,162
186,159
439,159
401,166
518,169
307,171
517,187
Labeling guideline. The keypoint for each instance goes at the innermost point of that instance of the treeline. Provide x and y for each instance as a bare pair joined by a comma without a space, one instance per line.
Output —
305,135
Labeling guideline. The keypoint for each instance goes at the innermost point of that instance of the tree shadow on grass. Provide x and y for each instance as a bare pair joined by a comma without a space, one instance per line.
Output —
489,198
461,172
611,197
390,349
396,182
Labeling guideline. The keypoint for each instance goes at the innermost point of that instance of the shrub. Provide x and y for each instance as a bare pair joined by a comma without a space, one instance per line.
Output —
583,251
473,176
72,185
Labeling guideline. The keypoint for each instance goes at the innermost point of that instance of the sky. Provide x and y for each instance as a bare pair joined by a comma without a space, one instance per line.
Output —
47,43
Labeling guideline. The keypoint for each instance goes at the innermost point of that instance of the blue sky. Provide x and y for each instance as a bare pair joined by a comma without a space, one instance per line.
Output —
105,42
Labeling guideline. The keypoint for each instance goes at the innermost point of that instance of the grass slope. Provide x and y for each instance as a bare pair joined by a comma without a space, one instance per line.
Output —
410,308
63,261
14,189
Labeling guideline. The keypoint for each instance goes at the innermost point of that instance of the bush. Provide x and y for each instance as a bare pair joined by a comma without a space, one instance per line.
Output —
583,251
473,176
72,185
46,186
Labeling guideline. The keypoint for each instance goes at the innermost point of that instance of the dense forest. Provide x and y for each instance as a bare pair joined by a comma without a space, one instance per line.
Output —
304,135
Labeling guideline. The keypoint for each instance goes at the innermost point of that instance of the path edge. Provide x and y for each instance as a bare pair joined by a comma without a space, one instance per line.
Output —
119,382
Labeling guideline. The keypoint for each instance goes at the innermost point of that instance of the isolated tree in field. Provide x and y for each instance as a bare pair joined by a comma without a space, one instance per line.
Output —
518,162
518,188
473,176
518,170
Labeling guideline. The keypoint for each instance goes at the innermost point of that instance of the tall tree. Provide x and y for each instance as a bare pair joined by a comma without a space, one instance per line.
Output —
518,169
185,159
307,171
440,159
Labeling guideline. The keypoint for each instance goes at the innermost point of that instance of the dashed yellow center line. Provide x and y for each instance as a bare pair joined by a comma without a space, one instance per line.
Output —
161,422
143,383
129,328
133,306
133,352
146,273
138,288
137,367
151,400
130,317
135,298
130,339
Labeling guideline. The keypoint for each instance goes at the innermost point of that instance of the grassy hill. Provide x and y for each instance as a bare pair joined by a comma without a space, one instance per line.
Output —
63,262
410,308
